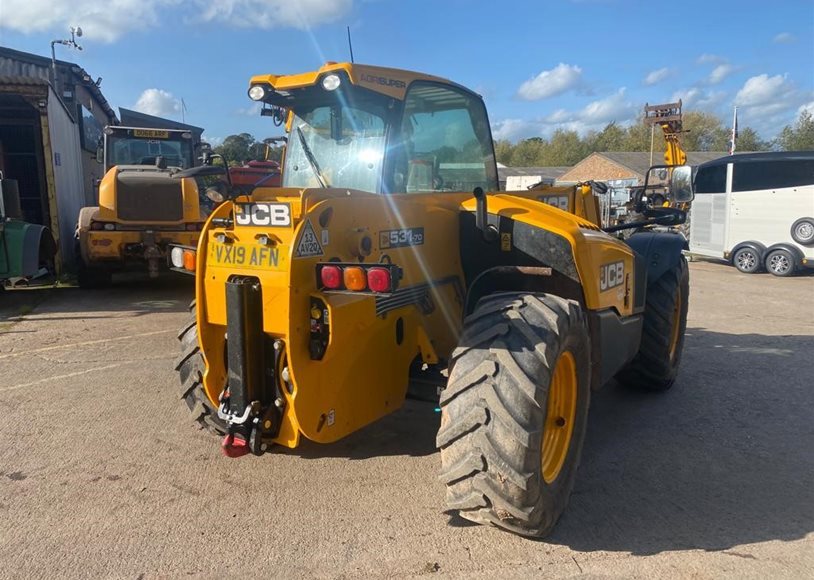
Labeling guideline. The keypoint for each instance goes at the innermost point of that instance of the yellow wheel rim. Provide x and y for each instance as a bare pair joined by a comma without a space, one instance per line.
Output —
675,334
561,410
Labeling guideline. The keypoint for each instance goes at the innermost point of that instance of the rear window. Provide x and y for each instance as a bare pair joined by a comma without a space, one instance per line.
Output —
772,174
711,179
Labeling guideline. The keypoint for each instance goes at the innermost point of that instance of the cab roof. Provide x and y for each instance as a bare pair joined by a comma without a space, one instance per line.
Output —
390,82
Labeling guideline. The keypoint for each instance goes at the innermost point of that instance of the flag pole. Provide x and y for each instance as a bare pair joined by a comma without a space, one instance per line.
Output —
734,131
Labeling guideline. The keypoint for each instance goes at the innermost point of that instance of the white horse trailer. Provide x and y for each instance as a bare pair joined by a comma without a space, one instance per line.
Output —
756,210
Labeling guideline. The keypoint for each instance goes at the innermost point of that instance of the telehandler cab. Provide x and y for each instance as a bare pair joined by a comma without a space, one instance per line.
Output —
389,252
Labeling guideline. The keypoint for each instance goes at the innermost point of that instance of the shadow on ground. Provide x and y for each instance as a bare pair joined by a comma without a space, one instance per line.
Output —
130,294
723,459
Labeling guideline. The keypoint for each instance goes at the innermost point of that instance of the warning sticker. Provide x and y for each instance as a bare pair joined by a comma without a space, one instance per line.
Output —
308,245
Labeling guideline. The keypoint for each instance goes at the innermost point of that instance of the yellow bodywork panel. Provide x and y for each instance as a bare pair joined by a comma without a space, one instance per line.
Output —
373,339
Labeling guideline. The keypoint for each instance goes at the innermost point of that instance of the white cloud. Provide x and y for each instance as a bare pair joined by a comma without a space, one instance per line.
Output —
707,58
515,129
212,140
762,90
809,107
719,73
697,98
784,38
767,103
549,83
100,21
158,102
656,76
301,14
108,21
592,117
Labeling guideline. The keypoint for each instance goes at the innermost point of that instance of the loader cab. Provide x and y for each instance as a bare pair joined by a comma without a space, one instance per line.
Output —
384,135
137,146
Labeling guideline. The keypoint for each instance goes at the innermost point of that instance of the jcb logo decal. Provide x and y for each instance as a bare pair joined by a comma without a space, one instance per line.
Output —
263,214
611,275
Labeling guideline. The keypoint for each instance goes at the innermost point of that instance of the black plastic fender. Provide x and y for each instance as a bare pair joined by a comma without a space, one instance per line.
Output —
660,250
756,246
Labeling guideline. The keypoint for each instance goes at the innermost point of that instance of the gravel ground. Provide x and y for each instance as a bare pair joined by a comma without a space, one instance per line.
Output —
103,475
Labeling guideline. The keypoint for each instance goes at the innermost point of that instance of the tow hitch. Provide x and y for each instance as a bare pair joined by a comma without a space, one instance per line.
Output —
252,402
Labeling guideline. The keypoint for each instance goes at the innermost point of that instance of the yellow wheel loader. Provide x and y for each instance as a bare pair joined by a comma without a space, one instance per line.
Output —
388,254
141,207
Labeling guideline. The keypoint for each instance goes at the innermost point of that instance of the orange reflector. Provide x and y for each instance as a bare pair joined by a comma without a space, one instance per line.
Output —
355,278
189,260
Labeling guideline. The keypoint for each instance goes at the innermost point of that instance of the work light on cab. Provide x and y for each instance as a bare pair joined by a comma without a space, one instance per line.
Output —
257,92
331,82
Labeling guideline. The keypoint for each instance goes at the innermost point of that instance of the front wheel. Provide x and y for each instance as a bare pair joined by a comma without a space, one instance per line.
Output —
746,260
514,412
655,366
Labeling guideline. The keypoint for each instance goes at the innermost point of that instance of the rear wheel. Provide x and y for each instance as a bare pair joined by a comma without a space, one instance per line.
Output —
746,260
190,369
655,366
514,411
780,263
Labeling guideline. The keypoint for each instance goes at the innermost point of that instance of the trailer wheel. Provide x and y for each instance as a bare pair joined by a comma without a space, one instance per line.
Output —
190,367
780,263
514,412
655,366
802,231
746,260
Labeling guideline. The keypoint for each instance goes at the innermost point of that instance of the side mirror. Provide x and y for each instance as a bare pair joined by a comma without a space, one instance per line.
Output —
681,184
100,155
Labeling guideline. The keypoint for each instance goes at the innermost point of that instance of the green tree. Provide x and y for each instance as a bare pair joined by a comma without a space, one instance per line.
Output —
611,138
800,136
565,148
503,151
749,140
704,132
237,148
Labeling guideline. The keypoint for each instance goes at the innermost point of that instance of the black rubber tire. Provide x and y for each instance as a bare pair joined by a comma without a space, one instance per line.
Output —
92,278
747,260
653,368
190,367
781,263
802,231
493,411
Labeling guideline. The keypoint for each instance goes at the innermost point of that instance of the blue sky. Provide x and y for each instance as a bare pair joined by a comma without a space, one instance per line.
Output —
540,65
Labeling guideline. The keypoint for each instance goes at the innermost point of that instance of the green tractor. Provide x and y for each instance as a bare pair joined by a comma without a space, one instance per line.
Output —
26,250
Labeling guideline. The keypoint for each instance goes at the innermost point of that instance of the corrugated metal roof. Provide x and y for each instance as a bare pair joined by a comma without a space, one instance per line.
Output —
132,118
18,80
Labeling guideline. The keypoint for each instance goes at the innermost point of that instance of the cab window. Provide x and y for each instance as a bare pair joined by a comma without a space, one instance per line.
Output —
445,142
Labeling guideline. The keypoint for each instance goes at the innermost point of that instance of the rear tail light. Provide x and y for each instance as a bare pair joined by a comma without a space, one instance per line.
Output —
110,227
98,226
331,277
379,280
355,278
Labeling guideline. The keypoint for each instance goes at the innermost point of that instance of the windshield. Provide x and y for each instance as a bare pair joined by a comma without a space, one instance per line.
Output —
336,146
129,149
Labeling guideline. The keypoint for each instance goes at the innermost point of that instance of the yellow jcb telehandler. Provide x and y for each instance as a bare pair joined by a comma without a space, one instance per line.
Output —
389,253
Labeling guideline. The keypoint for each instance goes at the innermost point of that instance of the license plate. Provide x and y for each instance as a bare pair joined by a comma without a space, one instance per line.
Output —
253,256
151,133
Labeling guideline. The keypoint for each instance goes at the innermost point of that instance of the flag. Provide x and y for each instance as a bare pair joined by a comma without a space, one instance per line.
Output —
734,132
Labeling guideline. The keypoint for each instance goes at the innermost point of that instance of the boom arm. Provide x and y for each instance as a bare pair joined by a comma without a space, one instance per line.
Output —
668,117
